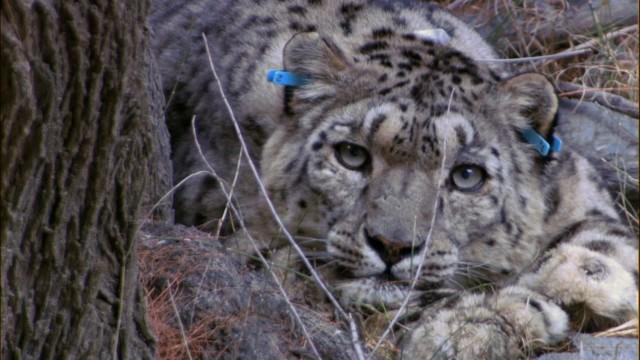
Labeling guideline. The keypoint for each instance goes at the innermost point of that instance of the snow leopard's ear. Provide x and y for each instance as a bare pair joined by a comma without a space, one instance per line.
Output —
315,56
532,97
320,63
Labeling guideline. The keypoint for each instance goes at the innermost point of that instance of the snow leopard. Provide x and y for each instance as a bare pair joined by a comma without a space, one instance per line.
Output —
423,171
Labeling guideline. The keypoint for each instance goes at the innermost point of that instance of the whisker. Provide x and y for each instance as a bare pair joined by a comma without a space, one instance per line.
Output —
327,264
472,275
473,270
317,255
456,283
310,239
475,265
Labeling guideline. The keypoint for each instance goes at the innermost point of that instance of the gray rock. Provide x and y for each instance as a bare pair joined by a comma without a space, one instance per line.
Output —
559,356
601,348
598,348
608,139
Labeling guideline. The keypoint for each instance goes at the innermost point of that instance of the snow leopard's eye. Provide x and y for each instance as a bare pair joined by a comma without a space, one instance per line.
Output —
352,156
468,177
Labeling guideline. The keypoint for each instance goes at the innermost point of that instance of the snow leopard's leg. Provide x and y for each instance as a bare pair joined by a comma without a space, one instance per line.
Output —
509,324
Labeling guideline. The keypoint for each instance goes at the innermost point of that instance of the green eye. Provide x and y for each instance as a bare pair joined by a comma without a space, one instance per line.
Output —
352,156
468,177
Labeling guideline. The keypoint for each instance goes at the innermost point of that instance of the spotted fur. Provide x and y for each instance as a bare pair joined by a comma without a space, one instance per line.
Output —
377,157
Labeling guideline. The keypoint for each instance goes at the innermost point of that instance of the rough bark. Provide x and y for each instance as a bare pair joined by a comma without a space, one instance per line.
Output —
159,165
78,159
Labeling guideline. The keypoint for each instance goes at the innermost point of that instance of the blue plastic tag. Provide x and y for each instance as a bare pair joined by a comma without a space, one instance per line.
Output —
540,143
556,144
285,78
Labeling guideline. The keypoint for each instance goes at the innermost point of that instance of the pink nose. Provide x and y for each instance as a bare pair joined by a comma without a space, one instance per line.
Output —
391,252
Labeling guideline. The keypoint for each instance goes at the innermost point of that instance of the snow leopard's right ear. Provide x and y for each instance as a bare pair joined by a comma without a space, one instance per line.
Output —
320,62
532,97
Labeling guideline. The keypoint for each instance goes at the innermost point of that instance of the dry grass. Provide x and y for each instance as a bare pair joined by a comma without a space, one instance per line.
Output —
162,272
628,329
526,28
159,306
612,67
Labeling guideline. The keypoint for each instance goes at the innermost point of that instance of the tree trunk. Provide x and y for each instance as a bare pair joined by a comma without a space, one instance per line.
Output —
79,159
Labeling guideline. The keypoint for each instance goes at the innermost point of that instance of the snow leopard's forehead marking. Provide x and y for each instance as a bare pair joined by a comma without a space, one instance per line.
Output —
410,60
416,93
401,132
400,129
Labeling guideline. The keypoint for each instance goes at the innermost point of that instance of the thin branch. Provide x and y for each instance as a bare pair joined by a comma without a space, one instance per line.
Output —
608,100
233,186
170,192
560,55
316,277
263,191
236,211
355,339
630,328
456,4
267,265
184,335
213,172
608,36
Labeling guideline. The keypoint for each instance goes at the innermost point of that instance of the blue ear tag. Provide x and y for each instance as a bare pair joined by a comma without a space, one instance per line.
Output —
285,78
556,144
540,143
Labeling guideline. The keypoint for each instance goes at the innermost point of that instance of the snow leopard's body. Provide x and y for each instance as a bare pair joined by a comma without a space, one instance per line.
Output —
399,146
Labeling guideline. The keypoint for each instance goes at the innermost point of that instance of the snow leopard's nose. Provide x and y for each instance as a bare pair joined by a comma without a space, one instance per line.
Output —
391,251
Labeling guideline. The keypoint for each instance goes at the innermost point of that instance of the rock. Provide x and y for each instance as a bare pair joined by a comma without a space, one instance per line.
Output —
598,348
608,139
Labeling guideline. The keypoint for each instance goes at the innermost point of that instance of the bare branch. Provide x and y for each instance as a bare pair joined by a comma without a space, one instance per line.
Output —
611,101
355,339
184,335
560,55
263,191
608,36
264,261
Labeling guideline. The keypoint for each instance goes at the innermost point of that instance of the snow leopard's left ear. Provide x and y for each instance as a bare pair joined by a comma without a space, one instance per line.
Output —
532,97
314,56
322,66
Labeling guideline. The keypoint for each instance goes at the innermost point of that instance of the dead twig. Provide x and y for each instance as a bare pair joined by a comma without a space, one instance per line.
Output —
593,43
318,280
614,102
630,328
560,55
257,249
263,190
147,217
260,256
184,335
355,338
